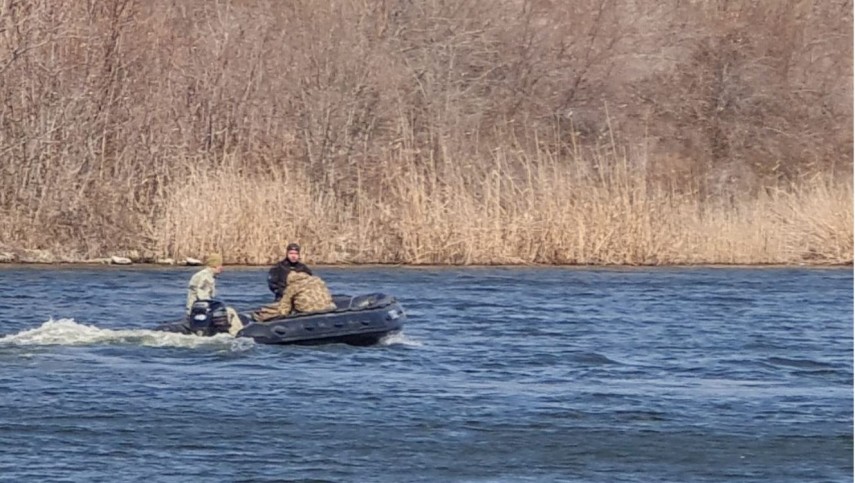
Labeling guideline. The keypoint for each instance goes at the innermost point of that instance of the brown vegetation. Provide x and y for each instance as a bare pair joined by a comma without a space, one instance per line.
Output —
475,131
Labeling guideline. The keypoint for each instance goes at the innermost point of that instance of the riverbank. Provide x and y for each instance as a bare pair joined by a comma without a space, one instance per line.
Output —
552,216
616,133
88,265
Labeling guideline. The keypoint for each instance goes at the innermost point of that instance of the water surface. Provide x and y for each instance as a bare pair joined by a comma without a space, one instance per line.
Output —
690,374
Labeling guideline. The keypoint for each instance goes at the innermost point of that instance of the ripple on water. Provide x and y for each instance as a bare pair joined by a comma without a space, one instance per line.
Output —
500,375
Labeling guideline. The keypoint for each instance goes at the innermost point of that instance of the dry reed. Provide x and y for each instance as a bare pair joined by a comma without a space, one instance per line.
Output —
478,131
609,215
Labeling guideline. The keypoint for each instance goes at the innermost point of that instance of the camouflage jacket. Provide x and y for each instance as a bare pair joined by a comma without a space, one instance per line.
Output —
305,293
202,286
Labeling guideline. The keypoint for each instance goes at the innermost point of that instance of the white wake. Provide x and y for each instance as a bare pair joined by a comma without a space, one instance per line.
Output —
398,338
67,332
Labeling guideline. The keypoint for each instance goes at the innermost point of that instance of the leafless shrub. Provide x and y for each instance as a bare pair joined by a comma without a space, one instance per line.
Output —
111,108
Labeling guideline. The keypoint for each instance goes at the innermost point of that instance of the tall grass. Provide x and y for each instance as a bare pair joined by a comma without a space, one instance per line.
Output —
550,214
476,131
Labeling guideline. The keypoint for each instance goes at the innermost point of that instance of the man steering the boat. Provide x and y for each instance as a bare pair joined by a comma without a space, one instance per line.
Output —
203,286
277,277
304,293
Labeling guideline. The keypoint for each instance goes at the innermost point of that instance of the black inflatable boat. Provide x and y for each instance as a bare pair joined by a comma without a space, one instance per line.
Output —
362,320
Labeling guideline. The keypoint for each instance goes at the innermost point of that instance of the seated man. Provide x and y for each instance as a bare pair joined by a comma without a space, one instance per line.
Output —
277,276
304,293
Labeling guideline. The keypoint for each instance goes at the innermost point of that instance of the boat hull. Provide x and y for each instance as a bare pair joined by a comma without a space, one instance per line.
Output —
358,321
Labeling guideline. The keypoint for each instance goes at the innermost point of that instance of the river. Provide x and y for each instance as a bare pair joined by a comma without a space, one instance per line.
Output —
500,375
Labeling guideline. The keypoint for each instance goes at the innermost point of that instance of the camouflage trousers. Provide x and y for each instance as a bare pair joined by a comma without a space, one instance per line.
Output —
235,324
267,312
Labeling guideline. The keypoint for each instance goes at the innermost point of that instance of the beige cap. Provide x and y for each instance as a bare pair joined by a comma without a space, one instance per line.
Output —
214,260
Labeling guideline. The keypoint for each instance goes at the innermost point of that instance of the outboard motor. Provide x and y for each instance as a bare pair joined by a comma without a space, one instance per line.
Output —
208,317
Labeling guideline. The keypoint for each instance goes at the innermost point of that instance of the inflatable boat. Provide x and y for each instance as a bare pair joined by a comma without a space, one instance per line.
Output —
361,320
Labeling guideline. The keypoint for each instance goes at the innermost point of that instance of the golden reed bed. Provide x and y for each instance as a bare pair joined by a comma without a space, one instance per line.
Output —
547,216
470,132
542,213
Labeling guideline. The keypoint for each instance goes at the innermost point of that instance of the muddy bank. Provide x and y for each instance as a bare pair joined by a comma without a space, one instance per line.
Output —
39,257
29,256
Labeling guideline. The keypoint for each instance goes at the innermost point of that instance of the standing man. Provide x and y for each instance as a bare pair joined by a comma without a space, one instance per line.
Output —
277,277
203,284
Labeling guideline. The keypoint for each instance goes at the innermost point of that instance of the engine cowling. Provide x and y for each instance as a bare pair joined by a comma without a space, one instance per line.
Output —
208,317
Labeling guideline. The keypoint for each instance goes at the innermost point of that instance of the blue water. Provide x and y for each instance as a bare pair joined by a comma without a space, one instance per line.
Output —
690,374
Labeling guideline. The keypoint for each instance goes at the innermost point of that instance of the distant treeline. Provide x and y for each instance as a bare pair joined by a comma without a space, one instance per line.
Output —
468,131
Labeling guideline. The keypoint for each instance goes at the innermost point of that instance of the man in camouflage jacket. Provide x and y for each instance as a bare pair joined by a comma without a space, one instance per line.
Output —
203,284
304,293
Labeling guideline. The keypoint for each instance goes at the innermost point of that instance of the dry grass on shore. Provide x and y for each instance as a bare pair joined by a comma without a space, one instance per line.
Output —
549,214
473,131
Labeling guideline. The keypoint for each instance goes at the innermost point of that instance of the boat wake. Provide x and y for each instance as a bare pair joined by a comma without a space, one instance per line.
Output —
67,332
399,338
